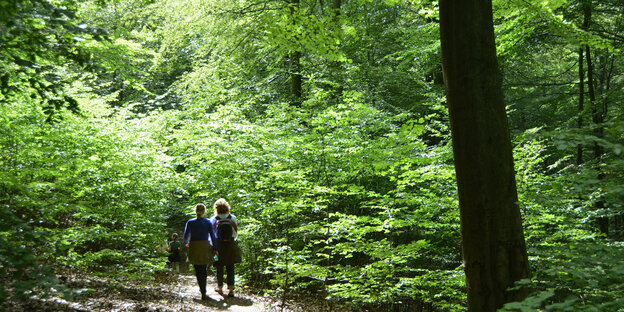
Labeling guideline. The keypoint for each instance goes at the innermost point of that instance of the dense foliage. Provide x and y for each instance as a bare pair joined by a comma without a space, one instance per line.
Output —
324,125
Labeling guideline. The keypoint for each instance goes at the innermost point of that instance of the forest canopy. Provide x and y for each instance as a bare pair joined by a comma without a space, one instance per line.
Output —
324,124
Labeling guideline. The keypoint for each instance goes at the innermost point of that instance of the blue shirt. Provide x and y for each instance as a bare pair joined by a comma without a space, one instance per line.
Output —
199,229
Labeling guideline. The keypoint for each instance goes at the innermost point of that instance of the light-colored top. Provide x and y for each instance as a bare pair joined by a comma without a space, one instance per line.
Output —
213,220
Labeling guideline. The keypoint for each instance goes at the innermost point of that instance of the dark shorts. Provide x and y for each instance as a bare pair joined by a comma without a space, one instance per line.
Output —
174,257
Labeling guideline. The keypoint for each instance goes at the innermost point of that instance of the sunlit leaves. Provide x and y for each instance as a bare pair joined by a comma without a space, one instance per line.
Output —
81,189
36,37
524,19
579,276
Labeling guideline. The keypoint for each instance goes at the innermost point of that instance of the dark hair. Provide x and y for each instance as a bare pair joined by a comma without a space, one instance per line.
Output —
200,209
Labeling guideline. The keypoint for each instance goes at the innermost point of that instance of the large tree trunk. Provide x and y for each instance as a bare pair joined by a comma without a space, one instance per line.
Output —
494,249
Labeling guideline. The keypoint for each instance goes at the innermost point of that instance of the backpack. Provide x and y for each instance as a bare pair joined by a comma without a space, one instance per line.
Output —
226,228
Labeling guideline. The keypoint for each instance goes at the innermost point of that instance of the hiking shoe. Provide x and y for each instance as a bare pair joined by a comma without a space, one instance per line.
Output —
231,293
219,291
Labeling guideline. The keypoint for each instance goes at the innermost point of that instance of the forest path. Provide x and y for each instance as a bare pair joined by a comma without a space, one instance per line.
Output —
188,292
177,294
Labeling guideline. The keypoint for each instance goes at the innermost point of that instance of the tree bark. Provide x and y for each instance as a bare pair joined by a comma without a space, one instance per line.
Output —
336,4
581,105
296,78
597,115
494,249
336,68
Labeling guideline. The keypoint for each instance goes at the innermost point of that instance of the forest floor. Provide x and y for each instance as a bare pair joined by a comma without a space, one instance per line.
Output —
177,294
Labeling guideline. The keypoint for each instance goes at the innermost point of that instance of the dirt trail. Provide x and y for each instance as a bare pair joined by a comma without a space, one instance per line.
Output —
179,295
187,290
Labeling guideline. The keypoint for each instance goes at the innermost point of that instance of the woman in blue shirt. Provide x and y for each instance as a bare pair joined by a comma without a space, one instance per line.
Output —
200,249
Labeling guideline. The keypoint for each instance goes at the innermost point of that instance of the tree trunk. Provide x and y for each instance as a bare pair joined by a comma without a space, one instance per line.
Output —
336,69
296,78
579,147
597,115
494,249
336,4
598,119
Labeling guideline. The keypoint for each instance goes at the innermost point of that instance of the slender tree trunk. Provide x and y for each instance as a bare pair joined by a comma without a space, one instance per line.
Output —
296,78
336,5
598,119
608,69
591,86
597,114
336,68
579,147
494,249
581,107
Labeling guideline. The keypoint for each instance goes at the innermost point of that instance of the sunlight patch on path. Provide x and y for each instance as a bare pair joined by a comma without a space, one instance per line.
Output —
187,290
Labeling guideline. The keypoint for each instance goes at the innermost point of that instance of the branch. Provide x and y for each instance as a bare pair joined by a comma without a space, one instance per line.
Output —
255,7
529,84
608,34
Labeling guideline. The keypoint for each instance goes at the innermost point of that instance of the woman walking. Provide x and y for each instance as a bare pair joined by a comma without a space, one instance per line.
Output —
200,249
226,229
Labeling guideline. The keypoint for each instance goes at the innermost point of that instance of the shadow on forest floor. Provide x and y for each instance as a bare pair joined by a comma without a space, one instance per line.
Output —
181,294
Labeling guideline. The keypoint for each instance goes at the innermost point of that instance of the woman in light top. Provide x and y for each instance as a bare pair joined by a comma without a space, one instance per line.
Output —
226,228
196,234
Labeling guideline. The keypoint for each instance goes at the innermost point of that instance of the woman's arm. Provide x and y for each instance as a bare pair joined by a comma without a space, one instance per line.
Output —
213,237
236,228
